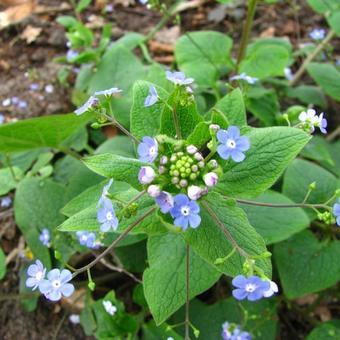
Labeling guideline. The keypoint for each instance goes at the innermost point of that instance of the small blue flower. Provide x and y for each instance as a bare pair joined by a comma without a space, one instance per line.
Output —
87,239
71,54
2,118
178,78
109,8
251,288
105,191
146,175
250,80
148,149
232,144
6,202
22,104
45,237
37,274
143,2
165,202
109,92
57,285
90,103
234,332
152,97
238,334
336,212
185,212
34,87
15,100
317,34
106,216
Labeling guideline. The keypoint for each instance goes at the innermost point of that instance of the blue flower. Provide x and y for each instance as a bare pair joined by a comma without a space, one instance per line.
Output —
90,103
57,285
178,78
45,237
2,118
251,288
232,145
71,54
105,191
37,274
185,212
6,202
87,239
152,97
106,216
148,149
146,175
34,86
234,332
250,80
22,104
143,2
336,212
317,34
109,92
165,202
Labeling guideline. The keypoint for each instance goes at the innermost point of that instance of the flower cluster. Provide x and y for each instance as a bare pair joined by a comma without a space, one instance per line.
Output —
310,120
55,286
93,101
253,288
232,331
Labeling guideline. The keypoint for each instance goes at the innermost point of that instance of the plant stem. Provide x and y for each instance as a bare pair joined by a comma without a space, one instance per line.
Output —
246,31
311,57
9,164
187,285
70,153
113,244
278,205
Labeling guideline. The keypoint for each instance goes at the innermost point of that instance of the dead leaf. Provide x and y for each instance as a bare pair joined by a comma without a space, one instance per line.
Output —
167,59
168,35
268,33
12,2
76,302
323,312
158,47
306,300
30,33
17,13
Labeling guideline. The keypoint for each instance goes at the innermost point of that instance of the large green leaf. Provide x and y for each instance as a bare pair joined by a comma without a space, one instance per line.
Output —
116,167
232,106
307,265
165,280
145,121
326,76
300,174
119,145
323,6
37,206
48,131
271,151
208,319
211,243
334,20
203,56
325,331
308,94
276,224
187,115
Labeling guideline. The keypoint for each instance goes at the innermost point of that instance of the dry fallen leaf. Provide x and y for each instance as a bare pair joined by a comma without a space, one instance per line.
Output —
268,33
323,312
15,14
30,33
168,35
306,299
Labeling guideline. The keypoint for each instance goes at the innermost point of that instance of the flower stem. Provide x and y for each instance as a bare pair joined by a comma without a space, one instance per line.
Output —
187,285
114,243
311,57
246,31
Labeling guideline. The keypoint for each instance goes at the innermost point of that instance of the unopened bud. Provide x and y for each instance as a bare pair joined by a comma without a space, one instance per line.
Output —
210,179
312,186
213,164
163,160
198,156
214,127
191,149
154,190
161,169
183,183
194,192
146,175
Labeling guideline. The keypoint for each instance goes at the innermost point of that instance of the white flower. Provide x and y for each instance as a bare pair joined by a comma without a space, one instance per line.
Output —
272,290
109,307
288,73
191,149
311,120
194,192
74,318
210,179
154,190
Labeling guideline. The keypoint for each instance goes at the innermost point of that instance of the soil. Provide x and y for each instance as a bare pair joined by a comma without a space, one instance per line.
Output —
23,64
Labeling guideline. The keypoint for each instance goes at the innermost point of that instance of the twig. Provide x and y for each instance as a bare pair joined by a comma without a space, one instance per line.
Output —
113,244
311,57
333,134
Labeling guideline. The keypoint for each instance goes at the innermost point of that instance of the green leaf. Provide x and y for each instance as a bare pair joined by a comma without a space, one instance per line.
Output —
153,332
200,135
208,319
211,243
275,224
2,264
318,149
37,206
116,167
7,182
48,131
119,145
325,331
82,4
300,174
187,115
204,56
326,76
323,6
334,20
265,59
165,280
145,121
67,21
313,265
133,257
271,151
232,106
308,95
